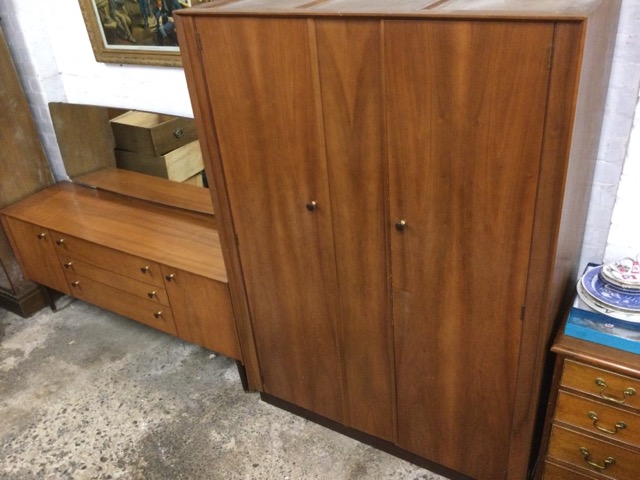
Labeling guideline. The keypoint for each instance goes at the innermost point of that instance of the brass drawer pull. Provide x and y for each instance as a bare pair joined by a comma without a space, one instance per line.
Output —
75,284
68,265
42,235
170,277
618,426
158,314
151,294
312,205
607,461
178,132
60,242
628,392
144,269
401,226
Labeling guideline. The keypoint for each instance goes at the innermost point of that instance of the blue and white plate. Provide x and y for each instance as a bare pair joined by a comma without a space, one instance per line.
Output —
608,295
632,318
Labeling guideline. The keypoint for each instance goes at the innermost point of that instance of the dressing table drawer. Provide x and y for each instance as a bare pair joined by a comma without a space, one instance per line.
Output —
131,306
137,268
73,268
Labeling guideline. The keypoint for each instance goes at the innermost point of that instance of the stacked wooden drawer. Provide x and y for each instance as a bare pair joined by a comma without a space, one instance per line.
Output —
161,145
161,267
595,432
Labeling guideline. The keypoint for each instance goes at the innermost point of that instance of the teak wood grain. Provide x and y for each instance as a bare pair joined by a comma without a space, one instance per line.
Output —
203,311
349,62
144,230
485,115
470,132
124,303
32,245
277,168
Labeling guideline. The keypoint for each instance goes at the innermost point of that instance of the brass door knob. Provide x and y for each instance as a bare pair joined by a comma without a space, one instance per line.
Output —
312,205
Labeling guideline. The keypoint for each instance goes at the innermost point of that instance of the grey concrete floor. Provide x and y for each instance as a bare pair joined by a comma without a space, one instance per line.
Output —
87,394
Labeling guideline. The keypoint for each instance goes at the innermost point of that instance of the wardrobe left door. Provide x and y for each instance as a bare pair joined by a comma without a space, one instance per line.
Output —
262,82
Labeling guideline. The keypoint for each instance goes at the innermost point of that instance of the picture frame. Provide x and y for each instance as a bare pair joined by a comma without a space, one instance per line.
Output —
122,32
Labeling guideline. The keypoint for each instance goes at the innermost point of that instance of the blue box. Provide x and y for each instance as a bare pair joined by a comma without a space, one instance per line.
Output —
587,324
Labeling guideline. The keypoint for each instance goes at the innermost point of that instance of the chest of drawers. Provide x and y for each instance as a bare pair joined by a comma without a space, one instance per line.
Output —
595,429
159,266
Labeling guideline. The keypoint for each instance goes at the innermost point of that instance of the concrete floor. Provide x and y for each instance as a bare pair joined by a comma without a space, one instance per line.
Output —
87,394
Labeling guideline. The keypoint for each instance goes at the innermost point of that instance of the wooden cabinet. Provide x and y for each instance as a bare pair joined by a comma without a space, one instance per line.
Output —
24,170
595,423
157,265
400,186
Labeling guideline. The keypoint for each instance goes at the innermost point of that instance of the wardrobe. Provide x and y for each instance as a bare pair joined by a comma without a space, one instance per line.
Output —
401,190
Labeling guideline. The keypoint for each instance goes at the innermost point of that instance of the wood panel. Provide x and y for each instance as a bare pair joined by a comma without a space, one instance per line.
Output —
351,87
269,127
202,312
465,140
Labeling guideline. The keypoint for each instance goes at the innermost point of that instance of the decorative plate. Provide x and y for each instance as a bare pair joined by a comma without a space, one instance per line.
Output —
608,311
624,272
607,295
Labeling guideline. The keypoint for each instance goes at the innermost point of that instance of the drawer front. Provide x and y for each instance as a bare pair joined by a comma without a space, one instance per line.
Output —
144,311
607,459
599,418
73,268
612,387
556,472
128,265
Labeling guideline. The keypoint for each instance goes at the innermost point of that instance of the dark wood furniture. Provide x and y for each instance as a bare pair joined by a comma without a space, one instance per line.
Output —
160,265
595,414
23,171
401,190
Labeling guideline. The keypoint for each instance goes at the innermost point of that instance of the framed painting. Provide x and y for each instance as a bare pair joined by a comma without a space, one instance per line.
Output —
134,31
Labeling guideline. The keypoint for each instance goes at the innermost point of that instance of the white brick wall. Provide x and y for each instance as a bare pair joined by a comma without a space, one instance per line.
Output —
54,57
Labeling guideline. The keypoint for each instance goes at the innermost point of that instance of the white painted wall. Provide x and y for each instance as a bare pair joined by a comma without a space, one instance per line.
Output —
54,58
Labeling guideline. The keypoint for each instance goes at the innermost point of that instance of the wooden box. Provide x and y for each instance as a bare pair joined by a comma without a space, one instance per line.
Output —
178,165
152,133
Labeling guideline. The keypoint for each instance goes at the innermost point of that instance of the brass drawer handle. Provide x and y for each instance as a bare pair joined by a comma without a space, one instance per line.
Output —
607,461
42,235
312,205
170,277
144,269
618,426
68,265
401,225
151,294
158,314
60,242
628,392
75,284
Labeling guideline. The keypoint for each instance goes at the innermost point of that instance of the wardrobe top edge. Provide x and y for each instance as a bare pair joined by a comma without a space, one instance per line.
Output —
511,9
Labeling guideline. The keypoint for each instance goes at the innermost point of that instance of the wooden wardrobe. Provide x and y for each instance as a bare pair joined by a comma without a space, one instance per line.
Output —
402,190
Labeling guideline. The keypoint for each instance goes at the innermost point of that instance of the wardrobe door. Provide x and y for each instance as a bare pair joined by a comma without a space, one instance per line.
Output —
350,77
262,80
465,106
